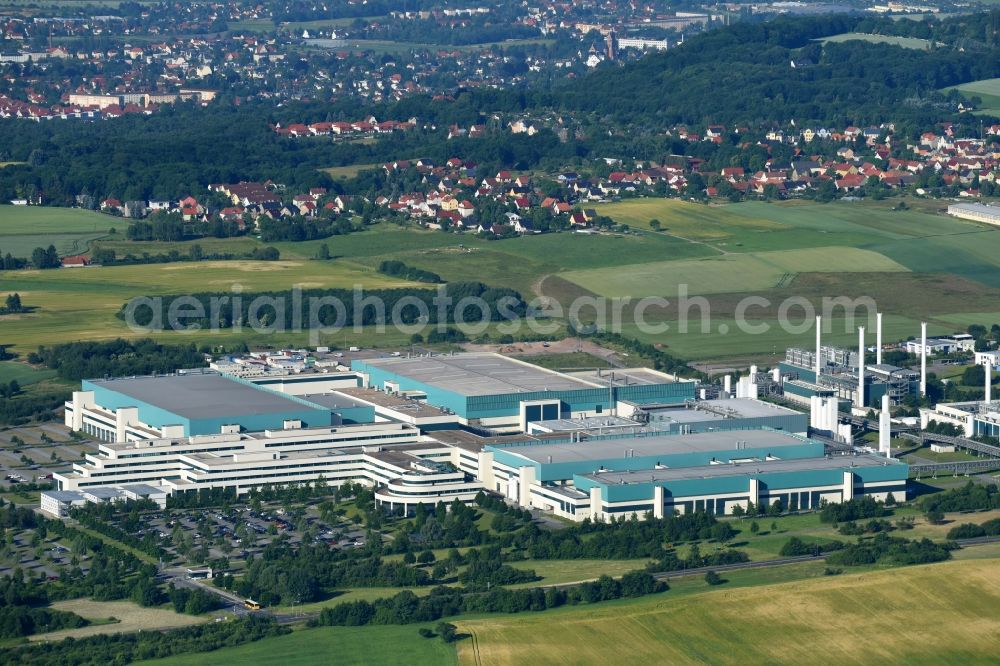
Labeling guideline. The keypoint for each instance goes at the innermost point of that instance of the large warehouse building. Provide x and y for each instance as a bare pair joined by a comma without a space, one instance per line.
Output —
429,429
180,405
501,393
619,475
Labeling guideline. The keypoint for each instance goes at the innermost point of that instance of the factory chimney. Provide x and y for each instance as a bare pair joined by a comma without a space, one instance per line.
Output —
819,332
989,377
861,367
923,359
878,338
885,428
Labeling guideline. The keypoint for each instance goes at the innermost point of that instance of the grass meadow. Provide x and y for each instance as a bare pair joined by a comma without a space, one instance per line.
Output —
987,89
23,374
130,616
348,172
344,646
884,617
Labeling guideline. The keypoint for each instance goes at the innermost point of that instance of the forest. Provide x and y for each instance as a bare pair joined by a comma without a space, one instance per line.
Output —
743,74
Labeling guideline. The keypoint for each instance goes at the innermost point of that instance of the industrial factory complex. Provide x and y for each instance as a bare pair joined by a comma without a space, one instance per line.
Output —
440,428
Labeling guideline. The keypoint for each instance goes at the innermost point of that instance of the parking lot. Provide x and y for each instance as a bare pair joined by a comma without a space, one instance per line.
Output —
201,536
28,551
30,454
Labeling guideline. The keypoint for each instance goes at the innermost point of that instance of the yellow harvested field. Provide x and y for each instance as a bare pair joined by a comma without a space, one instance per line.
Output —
132,617
946,613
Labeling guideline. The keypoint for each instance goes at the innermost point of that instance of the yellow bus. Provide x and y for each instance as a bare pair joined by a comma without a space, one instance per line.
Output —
251,604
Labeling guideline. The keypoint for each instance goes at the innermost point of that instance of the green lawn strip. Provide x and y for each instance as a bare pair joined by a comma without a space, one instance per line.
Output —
149,559
345,646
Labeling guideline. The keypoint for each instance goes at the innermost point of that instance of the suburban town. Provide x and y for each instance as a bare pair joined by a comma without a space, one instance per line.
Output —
458,333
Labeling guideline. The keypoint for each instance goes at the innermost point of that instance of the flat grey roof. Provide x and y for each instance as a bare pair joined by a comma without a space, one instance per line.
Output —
652,445
392,457
468,441
201,395
143,489
621,376
480,374
721,410
102,491
332,401
378,398
64,495
741,469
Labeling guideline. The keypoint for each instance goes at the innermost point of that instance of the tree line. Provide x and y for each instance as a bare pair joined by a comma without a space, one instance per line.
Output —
970,497
106,649
41,258
408,608
116,358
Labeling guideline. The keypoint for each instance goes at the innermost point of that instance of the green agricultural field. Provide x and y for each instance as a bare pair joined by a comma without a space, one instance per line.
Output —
235,246
915,264
987,89
81,304
729,273
71,230
66,244
516,262
905,42
344,646
933,614
24,220
755,225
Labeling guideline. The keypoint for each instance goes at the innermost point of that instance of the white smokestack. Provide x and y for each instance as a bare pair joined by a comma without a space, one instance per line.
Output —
727,386
923,359
819,343
861,367
878,338
885,428
989,373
